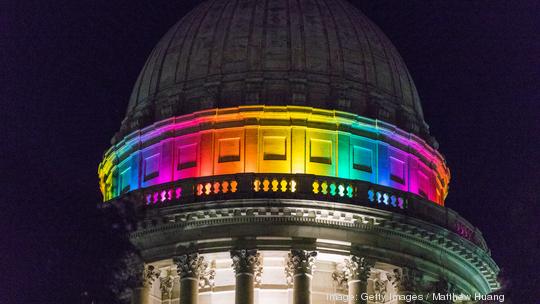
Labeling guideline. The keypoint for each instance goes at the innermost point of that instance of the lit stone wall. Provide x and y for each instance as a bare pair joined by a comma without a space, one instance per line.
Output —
274,140
273,287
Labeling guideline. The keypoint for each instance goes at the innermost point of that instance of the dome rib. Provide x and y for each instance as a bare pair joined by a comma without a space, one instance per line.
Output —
362,51
332,20
173,31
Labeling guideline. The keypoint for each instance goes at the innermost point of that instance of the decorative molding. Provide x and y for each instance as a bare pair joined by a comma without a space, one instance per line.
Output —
330,193
291,212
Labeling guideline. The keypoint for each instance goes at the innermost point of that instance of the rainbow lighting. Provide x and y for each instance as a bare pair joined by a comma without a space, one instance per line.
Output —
273,139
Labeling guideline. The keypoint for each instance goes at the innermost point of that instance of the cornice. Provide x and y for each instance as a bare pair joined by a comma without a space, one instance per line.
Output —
379,225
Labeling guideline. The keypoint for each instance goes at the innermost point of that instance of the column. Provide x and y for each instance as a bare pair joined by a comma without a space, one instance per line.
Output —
141,293
357,271
191,268
299,269
247,268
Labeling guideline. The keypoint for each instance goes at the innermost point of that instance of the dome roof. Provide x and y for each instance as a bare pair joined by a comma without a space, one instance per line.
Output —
317,53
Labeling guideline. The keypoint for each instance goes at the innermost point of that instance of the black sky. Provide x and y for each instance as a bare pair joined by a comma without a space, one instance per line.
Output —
66,72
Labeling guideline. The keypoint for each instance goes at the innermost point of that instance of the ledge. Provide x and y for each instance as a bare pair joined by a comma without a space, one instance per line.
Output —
190,192
281,224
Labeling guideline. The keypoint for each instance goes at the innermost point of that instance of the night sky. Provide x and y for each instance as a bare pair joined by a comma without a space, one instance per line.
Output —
66,73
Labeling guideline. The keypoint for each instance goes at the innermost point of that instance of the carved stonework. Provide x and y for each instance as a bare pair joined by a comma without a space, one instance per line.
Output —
166,281
149,274
194,266
299,262
206,280
247,261
358,268
340,279
353,269
395,278
190,265
380,287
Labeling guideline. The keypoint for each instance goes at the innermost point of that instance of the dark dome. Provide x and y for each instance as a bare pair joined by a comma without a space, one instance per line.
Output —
317,53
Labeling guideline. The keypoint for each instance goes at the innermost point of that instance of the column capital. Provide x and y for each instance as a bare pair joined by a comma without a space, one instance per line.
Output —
355,268
193,266
247,261
190,265
298,270
300,262
358,268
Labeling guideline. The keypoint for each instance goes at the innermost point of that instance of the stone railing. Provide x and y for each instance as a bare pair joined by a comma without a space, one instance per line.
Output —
292,186
304,187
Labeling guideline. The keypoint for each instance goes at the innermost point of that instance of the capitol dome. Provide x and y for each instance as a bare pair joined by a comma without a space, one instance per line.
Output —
323,54
276,151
